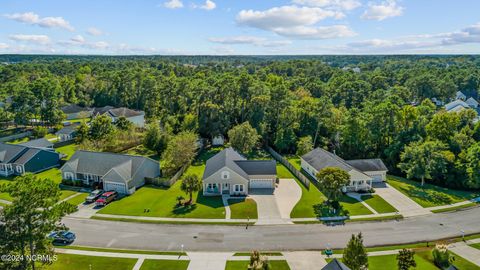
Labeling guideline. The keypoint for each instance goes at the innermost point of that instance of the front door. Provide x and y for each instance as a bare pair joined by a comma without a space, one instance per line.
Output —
226,188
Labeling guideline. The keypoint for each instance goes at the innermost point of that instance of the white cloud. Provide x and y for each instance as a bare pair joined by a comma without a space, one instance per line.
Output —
209,5
35,19
173,4
334,4
37,39
94,31
295,22
78,39
382,11
3,46
250,40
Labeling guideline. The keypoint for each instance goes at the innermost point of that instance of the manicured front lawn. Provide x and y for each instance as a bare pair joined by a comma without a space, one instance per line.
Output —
149,264
53,174
78,199
79,262
5,196
161,202
66,193
353,206
463,264
309,202
243,208
243,265
378,203
429,195
67,150
390,262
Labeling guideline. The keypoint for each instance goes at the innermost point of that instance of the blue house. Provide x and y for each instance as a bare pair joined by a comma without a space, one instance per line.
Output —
19,159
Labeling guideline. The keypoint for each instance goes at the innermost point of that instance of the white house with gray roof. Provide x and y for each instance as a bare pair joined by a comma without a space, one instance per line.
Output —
122,173
228,172
363,172
134,116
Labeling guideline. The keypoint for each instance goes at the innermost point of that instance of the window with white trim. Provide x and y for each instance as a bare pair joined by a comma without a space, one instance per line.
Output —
238,188
225,175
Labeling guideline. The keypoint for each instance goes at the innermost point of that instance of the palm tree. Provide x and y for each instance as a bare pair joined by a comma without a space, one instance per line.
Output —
191,183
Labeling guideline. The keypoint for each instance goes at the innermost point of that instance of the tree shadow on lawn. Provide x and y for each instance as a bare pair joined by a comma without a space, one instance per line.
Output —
233,201
208,201
432,196
326,210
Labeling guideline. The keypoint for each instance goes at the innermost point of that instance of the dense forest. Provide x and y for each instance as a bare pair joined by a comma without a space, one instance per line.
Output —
359,106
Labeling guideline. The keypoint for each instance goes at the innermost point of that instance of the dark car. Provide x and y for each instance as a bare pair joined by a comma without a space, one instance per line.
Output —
63,237
106,198
94,195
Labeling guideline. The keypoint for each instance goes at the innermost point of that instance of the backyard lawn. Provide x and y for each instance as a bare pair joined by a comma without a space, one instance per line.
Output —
378,203
67,150
53,174
162,202
150,264
198,165
142,151
68,261
429,195
295,161
243,208
243,265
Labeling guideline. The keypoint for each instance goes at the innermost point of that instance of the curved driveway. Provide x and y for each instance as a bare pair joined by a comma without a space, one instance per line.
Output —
276,237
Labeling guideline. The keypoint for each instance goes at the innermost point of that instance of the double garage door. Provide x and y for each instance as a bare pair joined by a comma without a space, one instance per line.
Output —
261,183
118,187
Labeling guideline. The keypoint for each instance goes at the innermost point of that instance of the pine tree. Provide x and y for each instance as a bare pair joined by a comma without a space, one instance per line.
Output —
405,259
355,254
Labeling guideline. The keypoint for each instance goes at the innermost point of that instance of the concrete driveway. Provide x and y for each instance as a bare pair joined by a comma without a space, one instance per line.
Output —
86,211
406,206
275,206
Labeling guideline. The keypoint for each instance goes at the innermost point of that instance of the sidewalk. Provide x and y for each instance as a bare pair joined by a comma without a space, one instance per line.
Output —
467,252
453,205
405,206
160,219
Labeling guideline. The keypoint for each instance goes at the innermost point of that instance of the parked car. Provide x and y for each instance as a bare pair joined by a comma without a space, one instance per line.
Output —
106,198
94,195
63,237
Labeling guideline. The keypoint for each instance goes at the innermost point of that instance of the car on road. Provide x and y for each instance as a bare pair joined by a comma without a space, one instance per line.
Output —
106,198
62,237
94,195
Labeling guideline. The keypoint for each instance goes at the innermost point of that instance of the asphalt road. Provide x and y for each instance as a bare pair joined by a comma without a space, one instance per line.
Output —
129,235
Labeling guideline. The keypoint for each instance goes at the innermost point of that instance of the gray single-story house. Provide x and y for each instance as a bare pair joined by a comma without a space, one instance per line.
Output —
363,172
67,133
228,172
38,143
74,111
19,159
134,116
119,172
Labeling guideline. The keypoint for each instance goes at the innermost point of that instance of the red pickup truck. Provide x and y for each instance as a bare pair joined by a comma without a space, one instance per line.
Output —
106,198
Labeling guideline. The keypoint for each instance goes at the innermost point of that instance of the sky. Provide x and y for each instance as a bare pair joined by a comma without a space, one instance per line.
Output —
239,27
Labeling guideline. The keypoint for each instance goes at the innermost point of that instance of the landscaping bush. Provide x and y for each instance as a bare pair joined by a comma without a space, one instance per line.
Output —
39,132
441,256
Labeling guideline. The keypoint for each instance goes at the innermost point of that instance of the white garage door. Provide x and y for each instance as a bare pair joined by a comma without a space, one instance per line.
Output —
377,177
261,183
118,187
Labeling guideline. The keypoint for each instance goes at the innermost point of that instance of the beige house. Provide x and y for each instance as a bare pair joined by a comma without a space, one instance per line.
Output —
230,173
363,172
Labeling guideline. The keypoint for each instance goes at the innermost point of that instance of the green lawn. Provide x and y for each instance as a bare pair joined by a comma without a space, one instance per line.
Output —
162,203
66,193
243,265
150,264
142,151
21,140
5,196
378,203
353,206
53,174
79,262
310,200
477,246
429,195
463,264
67,150
78,199
295,161
198,165
243,208
390,262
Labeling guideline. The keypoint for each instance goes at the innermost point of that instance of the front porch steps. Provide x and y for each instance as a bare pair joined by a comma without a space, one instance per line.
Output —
228,213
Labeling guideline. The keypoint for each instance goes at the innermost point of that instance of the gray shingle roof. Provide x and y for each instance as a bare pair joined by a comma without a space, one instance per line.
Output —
366,165
125,112
320,158
450,106
40,143
335,265
100,163
102,110
73,108
10,152
68,129
29,154
231,159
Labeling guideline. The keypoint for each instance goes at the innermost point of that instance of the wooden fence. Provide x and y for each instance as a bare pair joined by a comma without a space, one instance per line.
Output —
290,167
167,182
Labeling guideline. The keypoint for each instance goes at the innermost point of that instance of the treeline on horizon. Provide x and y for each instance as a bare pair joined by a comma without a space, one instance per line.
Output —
359,106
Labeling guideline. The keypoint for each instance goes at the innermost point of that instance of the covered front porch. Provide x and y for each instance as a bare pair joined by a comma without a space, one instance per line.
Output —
358,185
217,189
6,169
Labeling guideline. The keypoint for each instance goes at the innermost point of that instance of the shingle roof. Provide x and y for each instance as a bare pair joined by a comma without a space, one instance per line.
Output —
102,110
366,165
456,103
472,102
319,158
68,129
73,108
29,154
10,152
258,167
125,112
231,159
100,163
40,143
335,265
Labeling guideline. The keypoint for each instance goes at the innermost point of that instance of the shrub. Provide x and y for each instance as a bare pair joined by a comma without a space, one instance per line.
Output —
441,256
39,132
